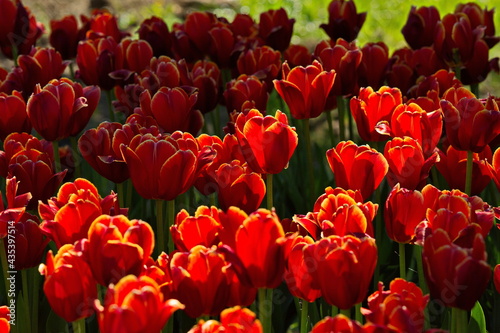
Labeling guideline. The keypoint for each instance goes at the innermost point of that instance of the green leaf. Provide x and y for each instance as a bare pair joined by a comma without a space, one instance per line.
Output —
56,324
477,323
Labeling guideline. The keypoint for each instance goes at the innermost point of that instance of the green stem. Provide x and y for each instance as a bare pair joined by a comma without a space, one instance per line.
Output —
341,110
79,326
310,171
357,313
474,88
35,292
421,281
402,261
130,188
160,226
265,309
304,314
350,120
458,320
346,312
57,157
468,172
121,195
335,310
330,127
269,191
76,157
109,94
26,296
378,238
170,222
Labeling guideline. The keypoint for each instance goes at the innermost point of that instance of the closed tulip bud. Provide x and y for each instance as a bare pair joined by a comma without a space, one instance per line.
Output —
154,30
276,29
64,36
343,20
371,70
420,26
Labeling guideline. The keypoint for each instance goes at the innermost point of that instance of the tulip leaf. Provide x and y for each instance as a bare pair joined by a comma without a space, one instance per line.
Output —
477,323
56,323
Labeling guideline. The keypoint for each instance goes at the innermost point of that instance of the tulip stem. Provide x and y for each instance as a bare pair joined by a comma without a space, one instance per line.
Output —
266,308
128,201
310,171
121,196
76,157
468,173
57,157
109,95
341,110
35,292
330,127
26,296
304,315
269,191
357,313
346,312
378,237
421,281
402,261
458,320
335,310
79,326
160,226
474,88
8,270
171,221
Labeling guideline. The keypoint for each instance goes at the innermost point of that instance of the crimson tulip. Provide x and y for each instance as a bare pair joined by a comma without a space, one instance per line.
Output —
297,55
357,167
135,305
263,62
69,285
246,92
14,116
103,24
480,17
65,35
154,30
339,323
343,20
457,274
305,89
276,29
267,143
495,168
235,319
371,70
118,247
420,26
132,56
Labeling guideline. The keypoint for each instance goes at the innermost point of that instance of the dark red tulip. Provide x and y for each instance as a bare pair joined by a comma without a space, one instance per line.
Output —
154,30
246,91
297,55
420,26
262,62
14,116
64,36
276,29
131,56
480,17
343,20
371,70
305,89
401,73
104,24
197,26
221,45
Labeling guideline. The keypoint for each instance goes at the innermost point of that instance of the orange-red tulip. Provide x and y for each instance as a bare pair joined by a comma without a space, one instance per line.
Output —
339,323
234,320
4,319
246,91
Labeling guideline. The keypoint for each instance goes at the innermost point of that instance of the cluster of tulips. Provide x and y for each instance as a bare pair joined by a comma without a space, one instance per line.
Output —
402,240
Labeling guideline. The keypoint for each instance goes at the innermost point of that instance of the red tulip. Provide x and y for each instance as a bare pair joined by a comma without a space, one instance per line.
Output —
4,319
452,166
62,108
435,85
339,323
16,206
246,92
69,285
346,262
305,90
401,72
197,26
162,72
404,210
65,35
496,277
118,247
371,70
235,319
343,20
263,62
372,107
201,229
480,17
104,24
457,274
420,26
357,167
132,56
495,168
154,30
14,116
297,55
135,305
173,162
401,308
267,143
276,29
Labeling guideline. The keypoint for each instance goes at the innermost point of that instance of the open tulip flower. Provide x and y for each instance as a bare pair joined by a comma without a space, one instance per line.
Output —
235,319
135,305
305,89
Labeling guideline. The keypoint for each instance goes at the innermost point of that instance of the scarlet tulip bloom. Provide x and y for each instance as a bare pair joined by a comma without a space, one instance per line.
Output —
132,56
339,323
276,29
238,186
457,274
245,92
118,247
371,106
65,35
235,319
297,55
305,89
471,125
401,308
68,217
103,24
412,121
154,30
357,167
404,210
343,20
62,108
267,143
263,62
201,229
347,262
14,116
4,319
371,70
420,26
173,162
264,264
135,305
202,280
69,285
453,165
407,164
173,109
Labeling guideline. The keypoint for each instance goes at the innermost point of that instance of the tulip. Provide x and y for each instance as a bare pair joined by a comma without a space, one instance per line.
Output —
496,277
132,56
235,319
103,24
246,92
305,90
371,70
222,41
480,17
68,268
154,30
420,26
14,116
276,29
197,26
64,36
135,305
4,319
343,20
339,323
267,143
372,107
457,274
118,247
438,82
401,72
297,55
17,142
347,262
357,167
404,210
263,62
495,168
